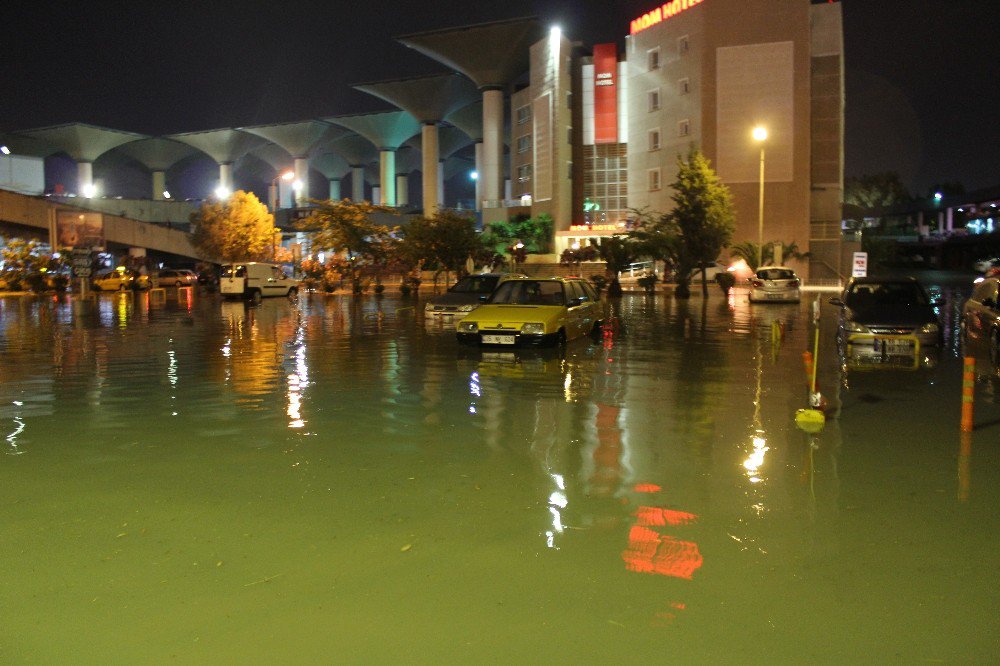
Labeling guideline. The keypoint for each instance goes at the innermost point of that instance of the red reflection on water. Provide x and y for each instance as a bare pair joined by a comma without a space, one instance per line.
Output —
646,488
652,552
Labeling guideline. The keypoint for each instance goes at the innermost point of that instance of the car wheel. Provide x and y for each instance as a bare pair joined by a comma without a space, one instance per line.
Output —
95,287
597,330
293,293
255,297
121,286
178,284
561,337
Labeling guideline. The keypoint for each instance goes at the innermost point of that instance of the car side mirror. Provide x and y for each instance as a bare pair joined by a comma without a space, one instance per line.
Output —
579,300
836,301
484,298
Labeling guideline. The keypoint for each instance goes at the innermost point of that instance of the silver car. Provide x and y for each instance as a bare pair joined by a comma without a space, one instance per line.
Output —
775,284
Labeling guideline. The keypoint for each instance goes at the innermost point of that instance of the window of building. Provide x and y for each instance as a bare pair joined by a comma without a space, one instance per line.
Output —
605,182
653,58
654,179
654,139
684,86
523,114
653,97
684,128
524,143
524,173
683,44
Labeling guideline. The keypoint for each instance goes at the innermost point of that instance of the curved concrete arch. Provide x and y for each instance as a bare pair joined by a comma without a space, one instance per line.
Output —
157,154
387,130
224,146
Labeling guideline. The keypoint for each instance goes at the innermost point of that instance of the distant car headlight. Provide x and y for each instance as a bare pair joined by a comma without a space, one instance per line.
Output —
854,327
466,308
468,327
533,329
929,328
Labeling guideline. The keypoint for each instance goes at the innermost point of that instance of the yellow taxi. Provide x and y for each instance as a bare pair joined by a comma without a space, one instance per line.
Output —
526,312
120,279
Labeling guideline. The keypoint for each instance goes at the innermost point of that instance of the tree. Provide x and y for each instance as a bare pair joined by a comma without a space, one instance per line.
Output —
237,229
444,241
656,236
747,251
23,262
703,213
618,252
349,227
868,195
533,232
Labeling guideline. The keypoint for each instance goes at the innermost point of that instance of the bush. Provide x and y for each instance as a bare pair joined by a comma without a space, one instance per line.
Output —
726,281
36,282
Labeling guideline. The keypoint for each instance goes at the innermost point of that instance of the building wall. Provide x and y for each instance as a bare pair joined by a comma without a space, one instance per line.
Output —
552,127
744,65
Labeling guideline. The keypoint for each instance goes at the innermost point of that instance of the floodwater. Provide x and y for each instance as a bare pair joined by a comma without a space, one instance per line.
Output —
335,481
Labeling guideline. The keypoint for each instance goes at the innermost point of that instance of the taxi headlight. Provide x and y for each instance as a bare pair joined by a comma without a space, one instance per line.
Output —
533,329
468,327
928,328
429,307
854,327
466,308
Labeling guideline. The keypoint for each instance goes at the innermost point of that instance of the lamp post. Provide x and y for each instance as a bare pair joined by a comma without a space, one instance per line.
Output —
273,194
760,136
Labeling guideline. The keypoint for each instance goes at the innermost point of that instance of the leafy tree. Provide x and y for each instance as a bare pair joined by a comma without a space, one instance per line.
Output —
444,241
703,213
748,252
24,263
868,195
349,227
575,257
237,229
534,233
656,236
618,252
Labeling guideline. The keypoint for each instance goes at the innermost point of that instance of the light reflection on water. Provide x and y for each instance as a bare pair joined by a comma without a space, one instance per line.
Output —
211,468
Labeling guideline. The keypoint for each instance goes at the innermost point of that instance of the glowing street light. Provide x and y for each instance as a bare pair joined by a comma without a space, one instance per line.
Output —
760,136
222,192
5,150
473,175
90,190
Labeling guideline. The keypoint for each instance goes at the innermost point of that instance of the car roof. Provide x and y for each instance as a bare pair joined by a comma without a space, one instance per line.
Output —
887,280
782,268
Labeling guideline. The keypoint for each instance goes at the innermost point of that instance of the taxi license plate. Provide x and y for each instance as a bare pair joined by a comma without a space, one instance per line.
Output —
498,339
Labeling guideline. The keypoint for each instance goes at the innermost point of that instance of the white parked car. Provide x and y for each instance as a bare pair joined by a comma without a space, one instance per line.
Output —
775,284
255,280
983,265
175,277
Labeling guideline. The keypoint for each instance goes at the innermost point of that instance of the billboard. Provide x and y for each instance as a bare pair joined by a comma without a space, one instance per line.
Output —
77,229
605,93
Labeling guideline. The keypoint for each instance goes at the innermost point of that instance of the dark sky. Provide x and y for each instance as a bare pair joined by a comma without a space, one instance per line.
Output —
922,82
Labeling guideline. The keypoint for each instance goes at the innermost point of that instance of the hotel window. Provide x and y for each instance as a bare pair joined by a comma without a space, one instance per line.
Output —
653,97
524,173
684,86
683,44
654,139
653,58
654,179
684,128
524,143
523,114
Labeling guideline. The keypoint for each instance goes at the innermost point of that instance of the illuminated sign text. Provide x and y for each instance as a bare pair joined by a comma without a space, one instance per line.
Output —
661,14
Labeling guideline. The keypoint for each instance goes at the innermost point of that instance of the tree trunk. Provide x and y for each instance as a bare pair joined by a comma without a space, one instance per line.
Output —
704,283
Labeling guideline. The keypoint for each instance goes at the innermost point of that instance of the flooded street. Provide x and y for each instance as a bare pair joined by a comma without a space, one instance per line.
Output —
336,480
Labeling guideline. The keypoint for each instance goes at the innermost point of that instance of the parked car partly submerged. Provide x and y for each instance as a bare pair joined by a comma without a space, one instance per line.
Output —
533,312
888,315
120,279
775,284
256,280
466,295
175,277
981,321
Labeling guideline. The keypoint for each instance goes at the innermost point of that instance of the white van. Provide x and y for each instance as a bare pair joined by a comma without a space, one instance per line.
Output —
255,280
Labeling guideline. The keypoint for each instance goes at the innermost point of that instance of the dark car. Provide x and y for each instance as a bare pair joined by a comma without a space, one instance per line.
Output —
981,320
466,295
889,315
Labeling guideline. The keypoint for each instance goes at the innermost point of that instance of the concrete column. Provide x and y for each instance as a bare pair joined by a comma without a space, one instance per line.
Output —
226,176
440,184
429,155
302,176
159,185
492,172
940,223
376,194
334,189
951,219
286,195
506,188
387,176
357,182
402,189
84,177
479,175
272,195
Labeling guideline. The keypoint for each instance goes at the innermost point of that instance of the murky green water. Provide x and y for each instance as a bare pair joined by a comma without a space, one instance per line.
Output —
335,481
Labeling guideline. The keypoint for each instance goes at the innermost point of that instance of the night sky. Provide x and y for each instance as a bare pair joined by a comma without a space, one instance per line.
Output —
922,77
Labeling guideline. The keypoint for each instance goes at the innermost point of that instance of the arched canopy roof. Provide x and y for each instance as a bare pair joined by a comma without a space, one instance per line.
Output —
82,142
298,138
450,141
407,160
225,146
331,165
356,150
387,130
491,54
428,98
157,153
469,119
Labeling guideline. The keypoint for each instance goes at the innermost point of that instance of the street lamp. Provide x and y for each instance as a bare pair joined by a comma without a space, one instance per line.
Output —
760,136
286,176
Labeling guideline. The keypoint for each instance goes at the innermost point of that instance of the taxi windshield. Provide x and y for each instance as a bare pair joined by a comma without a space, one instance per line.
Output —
529,292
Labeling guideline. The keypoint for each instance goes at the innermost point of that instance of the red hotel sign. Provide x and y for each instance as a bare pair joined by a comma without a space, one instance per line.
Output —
661,14
605,93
